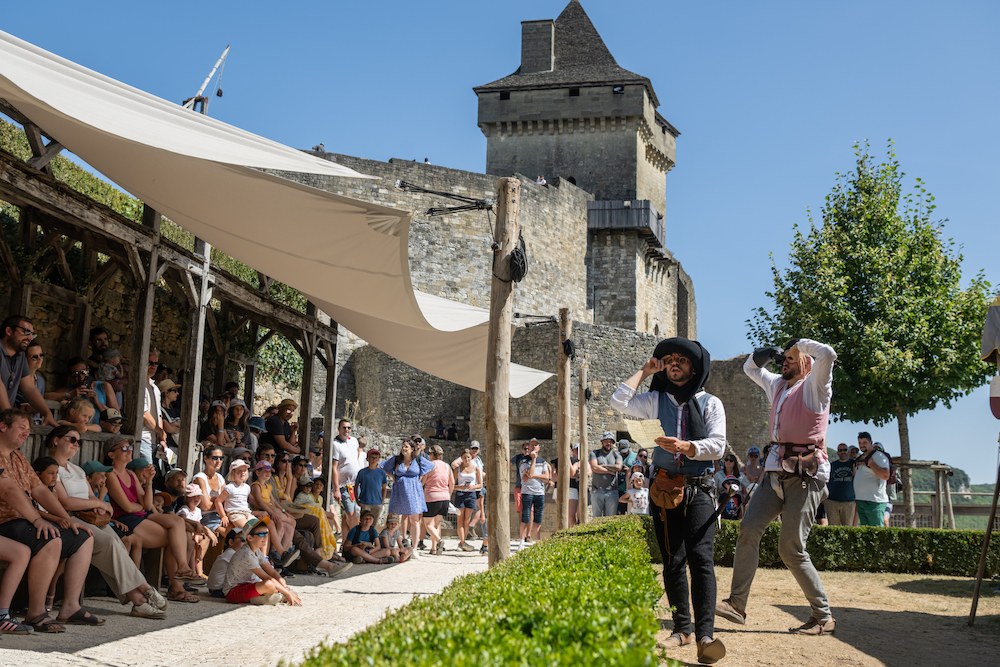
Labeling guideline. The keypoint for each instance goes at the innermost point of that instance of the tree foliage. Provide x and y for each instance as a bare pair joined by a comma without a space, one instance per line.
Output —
877,281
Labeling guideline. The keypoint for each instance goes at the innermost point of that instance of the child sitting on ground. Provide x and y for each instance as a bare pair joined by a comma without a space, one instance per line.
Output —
78,412
217,575
250,577
637,496
362,544
393,540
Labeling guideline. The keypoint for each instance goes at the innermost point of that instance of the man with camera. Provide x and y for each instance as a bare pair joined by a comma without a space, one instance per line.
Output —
682,488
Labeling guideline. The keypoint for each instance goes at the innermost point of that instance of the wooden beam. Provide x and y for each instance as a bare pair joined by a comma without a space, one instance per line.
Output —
187,439
220,361
250,371
238,325
179,293
264,283
213,326
56,293
266,337
103,278
136,269
63,264
141,334
329,414
7,257
498,373
584,466
565,419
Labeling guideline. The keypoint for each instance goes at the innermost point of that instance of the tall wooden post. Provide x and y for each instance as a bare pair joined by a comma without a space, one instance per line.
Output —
200,292
584,449
329,414
565,419
938,501
145,292
498,372
947,501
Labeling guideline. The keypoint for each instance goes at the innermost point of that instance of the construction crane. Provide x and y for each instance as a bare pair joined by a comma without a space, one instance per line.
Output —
200,102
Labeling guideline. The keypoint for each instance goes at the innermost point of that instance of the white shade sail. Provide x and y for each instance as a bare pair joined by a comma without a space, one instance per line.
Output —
348,257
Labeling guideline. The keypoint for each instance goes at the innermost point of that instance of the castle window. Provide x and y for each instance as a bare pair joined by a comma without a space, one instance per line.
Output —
618,90
526,431
571,180
574,92
504,96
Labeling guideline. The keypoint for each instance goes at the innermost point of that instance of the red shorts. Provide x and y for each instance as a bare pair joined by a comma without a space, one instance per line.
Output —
242,593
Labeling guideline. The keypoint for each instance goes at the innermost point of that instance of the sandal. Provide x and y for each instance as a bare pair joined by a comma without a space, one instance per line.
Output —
43,623
182,597
81,617
9,626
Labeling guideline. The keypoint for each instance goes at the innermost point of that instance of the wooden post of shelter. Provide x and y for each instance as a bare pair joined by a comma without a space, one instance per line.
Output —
144,276
498,372
329,414
199,292
938,501
565,419
947,500
981,570
309,346
221,348
584,464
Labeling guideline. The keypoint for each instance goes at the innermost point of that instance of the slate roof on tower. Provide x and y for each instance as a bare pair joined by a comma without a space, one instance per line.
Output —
581,59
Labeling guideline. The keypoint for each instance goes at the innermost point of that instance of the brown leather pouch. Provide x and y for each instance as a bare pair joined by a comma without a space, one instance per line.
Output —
800,460
93,518
667,490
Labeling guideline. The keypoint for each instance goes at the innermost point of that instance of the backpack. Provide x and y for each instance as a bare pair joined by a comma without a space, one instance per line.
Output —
893,477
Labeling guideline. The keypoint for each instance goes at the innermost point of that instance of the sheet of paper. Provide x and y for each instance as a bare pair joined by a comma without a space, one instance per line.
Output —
645,431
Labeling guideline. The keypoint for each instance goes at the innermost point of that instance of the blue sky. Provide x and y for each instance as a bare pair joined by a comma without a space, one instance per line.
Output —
770,98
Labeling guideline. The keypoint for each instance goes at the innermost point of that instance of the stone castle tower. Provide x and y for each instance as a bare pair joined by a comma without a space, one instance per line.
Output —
571,112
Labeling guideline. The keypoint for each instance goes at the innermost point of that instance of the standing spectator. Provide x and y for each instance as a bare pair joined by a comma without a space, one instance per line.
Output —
154,438
370,486
534,473
170,410
853,453
730,468
637,496
99,342
407,496
468,480
605,463
753,471
871,471
18,332
438,487
840,505
452,433
21,522
280,432
516,462
628,458
574,482
348,458
439,430
160,374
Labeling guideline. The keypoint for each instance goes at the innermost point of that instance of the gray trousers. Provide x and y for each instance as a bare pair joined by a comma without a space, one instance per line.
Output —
112,560
797,510
839,513
604,502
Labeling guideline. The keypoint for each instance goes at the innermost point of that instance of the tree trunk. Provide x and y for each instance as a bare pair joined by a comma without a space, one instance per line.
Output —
906,474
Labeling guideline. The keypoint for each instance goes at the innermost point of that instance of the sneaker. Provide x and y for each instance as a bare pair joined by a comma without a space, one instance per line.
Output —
528,539
290,557
484,549
286,573
339,568
406,543
439,549
520,545
153,597
710,650
358,560
9,626
465,547
726,610
814,627
420,546
273,598
415,555
147,610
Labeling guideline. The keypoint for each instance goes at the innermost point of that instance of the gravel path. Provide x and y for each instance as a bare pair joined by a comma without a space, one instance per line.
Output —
214,633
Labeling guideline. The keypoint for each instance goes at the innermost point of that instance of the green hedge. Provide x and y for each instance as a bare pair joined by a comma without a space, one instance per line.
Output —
586,596
866,549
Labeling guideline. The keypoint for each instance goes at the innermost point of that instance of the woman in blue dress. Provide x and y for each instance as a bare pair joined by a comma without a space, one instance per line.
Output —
407,499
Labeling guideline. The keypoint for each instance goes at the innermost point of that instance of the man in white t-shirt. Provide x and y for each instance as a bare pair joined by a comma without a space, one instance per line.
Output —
151,430
871,470
349,459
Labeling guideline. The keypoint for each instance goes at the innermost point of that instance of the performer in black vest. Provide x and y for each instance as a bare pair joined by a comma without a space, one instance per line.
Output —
695,426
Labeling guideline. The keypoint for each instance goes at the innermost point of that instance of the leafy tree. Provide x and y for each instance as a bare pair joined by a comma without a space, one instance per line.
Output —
878,283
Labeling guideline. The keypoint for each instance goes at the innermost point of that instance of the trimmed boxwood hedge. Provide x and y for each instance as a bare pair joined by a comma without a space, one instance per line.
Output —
585,596
866,549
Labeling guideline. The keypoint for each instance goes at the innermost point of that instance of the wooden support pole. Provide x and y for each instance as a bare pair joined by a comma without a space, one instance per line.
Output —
584,449
565,419
498,372
141,333
187,438
981,570
947,501
309,344
329,414
250,371
222,322
938,501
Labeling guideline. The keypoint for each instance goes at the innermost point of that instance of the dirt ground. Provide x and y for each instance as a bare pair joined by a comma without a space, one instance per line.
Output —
897,620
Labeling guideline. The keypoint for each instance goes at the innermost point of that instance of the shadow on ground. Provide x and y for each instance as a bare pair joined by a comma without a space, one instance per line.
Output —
956,588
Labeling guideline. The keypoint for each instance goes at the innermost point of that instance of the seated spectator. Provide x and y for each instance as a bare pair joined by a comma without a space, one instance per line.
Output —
255,428
232,503
170,410
316,459
17,556
363,545
730,468
211,483
97,478
439,430
36,357
203,406
100,341
213,429
392,540
217,575
110,556
281,525
202,536
111,368
236,422
280,431
48,543
111,421
18,332
78,413
452,433
132,502
250,577
244,454
80,384
160,374
233,389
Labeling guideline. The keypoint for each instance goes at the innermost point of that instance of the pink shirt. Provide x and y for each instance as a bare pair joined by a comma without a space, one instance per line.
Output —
436,483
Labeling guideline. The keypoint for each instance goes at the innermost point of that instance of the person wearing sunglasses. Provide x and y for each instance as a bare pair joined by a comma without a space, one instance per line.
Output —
250,577
18,332
840,505
81,384
36,357
110,556
211,482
